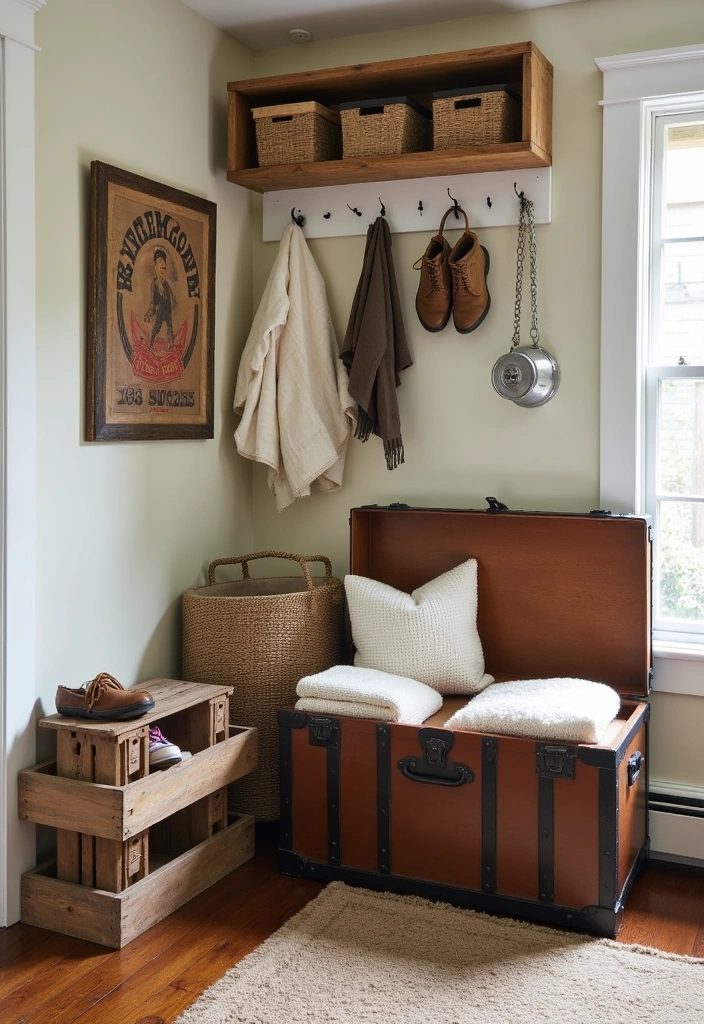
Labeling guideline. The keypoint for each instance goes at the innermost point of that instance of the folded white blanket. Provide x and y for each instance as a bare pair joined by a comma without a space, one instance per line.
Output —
367,693
575,710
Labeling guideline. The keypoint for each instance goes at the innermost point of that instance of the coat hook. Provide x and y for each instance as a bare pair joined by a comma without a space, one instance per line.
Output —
420,207
383,208
300,219
457,205
354,209
521,195
488,201
326,216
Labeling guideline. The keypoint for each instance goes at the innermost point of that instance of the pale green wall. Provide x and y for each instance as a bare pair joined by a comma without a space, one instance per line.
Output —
462,441
124,528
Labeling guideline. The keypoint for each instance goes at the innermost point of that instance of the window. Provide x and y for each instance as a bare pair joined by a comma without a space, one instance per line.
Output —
672,343
650,403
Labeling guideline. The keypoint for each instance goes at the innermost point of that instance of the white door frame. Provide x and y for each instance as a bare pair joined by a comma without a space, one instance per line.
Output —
17,439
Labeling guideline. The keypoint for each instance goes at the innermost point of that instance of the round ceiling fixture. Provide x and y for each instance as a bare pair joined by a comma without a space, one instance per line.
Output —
299,35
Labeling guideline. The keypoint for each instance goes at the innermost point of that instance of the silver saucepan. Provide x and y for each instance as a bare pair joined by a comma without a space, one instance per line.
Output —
527,376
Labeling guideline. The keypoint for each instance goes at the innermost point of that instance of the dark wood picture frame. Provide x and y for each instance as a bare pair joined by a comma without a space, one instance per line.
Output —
151,317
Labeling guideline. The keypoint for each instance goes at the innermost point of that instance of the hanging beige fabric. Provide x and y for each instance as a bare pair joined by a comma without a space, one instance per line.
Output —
261,636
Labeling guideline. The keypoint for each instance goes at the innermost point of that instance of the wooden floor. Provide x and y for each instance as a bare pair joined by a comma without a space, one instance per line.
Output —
47,978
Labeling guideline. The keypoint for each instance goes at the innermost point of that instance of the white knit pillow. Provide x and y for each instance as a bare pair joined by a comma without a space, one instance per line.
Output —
429,635
575,710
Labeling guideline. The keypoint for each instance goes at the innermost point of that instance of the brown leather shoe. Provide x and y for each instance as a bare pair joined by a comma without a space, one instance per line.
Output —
434,296
469,266
104,699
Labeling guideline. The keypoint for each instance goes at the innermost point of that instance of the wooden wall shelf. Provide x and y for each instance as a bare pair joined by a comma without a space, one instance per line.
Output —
521,66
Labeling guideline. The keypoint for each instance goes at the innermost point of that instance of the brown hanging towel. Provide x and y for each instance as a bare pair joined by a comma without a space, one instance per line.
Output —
374,350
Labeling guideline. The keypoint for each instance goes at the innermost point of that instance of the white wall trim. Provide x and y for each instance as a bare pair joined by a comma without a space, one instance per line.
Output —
647,57
18,449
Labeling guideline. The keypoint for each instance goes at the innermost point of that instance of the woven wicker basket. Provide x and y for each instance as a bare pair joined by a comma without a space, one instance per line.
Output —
473,117
297,133
261,636
380,127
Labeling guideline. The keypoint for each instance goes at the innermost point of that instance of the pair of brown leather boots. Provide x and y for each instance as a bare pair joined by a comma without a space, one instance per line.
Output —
453,280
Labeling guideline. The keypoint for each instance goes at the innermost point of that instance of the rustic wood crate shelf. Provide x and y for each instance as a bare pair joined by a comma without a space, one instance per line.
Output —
520,66
115,822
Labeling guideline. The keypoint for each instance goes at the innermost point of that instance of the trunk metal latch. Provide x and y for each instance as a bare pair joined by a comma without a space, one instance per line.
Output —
554,762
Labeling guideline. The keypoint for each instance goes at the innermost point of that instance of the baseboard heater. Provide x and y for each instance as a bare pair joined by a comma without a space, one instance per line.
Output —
677,823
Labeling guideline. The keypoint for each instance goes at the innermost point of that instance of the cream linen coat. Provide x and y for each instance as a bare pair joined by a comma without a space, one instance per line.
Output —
297,415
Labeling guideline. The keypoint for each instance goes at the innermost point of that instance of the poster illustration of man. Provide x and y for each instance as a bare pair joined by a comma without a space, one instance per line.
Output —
153,295
163,301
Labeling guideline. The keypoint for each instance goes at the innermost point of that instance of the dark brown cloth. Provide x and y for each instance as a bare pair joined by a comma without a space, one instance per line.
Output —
375,350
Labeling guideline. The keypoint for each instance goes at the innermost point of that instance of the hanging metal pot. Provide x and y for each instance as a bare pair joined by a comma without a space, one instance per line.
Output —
527,375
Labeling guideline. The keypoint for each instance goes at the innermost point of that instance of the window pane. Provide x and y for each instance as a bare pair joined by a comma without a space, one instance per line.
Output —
681,437
684,181
681,333
681,562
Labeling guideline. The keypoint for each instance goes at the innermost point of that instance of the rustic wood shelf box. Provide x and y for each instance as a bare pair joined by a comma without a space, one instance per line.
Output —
519,66
131,846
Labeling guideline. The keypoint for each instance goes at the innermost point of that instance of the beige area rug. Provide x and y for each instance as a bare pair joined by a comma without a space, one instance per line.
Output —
353,956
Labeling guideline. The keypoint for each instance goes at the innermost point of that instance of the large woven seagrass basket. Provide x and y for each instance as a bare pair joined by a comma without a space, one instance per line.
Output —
261,636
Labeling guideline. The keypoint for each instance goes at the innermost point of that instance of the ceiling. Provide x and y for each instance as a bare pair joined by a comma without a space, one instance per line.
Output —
261,24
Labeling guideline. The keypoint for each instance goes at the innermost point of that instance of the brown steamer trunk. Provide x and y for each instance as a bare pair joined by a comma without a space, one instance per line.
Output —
550,832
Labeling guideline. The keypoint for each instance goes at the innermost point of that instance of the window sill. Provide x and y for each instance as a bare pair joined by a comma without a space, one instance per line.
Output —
678,668
677,651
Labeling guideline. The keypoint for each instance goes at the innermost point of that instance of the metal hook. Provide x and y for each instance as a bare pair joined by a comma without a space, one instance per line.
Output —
420,207
457,205
521,195
354,209
326,216
300,219
488,201
383,208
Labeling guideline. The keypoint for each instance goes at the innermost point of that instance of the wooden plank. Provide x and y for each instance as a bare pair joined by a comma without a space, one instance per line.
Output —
384,78
537,101
391,167
71,909
118,812
150,800
114,919
170,696
68,854
88,860
45,952
167,888
68,804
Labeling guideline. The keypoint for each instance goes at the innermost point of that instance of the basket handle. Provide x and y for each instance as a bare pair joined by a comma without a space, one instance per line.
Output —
244,559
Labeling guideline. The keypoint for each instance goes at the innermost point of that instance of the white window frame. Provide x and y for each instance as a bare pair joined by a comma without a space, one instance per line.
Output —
636,87
660,115
17,440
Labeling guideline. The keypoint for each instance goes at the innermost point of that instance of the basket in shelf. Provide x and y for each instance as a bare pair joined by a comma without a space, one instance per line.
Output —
476,116
293,133
380,127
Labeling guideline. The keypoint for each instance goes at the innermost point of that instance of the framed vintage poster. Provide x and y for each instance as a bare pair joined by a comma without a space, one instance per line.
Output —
151,318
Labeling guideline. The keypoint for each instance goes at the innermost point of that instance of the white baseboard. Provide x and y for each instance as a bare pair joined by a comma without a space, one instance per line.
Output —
677,822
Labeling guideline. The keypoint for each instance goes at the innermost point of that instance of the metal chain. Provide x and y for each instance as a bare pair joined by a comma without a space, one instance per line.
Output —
526,216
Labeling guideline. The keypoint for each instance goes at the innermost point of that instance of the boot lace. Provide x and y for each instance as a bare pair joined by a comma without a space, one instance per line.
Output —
460,278
97,687
433,276
433,273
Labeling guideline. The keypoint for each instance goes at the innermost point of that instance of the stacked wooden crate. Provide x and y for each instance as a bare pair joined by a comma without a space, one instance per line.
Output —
132,846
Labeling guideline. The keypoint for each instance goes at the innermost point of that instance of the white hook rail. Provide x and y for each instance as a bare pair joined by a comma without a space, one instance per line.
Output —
489,200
